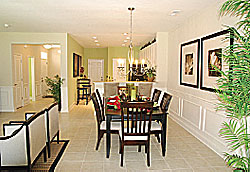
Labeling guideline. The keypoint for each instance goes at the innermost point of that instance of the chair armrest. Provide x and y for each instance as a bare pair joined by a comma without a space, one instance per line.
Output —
9,129
16,122
29,114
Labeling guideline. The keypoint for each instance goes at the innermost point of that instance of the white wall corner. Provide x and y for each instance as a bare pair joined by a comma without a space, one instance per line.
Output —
162,59
6,99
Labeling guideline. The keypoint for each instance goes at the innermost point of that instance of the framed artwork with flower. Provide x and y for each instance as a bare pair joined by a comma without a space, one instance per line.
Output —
189,63
211,58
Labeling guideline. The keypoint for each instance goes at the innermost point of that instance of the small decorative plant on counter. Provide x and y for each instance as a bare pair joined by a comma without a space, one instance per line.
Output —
54,85
151,73
234,88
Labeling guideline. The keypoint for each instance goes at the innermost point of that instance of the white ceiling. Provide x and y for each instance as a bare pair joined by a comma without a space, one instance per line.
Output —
106,19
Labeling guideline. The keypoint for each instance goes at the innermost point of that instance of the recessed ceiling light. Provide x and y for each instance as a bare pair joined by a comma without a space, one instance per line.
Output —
125,40
123,45
125,33
94,37
96,41
128,37
25,46
98,44
6,25
174,12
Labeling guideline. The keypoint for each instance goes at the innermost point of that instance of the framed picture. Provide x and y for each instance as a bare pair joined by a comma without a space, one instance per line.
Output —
211,56
189,63
75,65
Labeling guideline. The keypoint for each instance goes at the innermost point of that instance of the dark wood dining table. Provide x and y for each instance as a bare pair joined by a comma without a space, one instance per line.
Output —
112,114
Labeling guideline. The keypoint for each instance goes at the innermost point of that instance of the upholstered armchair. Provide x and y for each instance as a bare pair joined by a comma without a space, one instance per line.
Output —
23,142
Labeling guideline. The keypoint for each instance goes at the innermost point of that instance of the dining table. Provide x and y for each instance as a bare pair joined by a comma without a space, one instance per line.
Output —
115,114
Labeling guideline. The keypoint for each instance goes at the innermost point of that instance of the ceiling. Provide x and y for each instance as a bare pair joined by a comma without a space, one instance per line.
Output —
105,19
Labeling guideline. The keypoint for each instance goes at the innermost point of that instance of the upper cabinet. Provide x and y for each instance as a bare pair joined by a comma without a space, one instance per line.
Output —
149,54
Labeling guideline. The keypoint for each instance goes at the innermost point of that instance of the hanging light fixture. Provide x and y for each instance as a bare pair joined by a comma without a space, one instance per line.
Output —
130,52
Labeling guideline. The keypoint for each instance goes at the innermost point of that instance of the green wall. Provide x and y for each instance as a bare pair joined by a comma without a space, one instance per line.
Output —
107,54
73,47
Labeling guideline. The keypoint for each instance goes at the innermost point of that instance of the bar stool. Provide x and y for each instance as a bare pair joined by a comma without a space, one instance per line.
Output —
83,90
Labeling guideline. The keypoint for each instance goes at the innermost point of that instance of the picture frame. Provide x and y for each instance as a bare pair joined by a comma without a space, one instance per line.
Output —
211,55
75,65
189,63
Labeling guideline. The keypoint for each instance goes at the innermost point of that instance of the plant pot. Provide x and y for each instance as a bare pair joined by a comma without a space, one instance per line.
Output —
151,79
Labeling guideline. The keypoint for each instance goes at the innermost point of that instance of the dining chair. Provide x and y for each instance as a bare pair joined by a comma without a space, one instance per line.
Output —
145,89
164,105
135,126
156,95
110,89
101,103
101,124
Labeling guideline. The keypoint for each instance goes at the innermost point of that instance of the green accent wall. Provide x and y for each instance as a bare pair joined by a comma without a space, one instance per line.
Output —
72,47
108,54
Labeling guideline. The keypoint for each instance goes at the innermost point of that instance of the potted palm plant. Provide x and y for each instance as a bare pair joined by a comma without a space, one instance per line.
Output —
54,85
234,88
151,73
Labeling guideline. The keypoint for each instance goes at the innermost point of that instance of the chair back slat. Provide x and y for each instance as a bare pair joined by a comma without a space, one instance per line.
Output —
97,109
156,95
165,102
138,118
101,104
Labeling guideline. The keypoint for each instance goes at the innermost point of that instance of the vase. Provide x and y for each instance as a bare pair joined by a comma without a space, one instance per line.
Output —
151,79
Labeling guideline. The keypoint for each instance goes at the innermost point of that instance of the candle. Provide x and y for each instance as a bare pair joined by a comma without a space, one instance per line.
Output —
136,63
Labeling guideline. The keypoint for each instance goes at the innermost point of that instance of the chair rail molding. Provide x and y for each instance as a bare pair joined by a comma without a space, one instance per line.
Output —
6,99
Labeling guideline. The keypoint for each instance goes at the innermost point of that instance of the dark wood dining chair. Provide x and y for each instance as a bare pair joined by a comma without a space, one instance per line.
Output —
101,124
101,103
156,95
164,105
135,126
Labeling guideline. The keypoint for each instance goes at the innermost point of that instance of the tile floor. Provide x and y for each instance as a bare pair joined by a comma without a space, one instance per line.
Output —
184,152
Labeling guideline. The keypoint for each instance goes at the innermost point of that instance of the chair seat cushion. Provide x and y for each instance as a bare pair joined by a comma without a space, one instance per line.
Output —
113,125
132,137
155,126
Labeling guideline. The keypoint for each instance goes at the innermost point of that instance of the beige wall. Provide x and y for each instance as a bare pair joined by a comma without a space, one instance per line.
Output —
72,47
9,38
54,62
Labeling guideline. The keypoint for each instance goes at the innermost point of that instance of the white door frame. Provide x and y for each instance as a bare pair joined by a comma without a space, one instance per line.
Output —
33,78
97,60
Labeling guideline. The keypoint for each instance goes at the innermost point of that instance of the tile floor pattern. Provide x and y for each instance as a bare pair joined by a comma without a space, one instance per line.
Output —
184,152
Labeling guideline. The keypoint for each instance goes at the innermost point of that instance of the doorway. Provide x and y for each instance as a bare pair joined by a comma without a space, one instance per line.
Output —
96,69
18,81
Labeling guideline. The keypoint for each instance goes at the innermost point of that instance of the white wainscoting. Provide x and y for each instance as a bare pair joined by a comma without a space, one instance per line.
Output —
197,116
6,99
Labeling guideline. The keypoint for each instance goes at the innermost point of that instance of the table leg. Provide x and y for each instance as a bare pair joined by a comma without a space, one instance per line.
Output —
108,140
164,134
